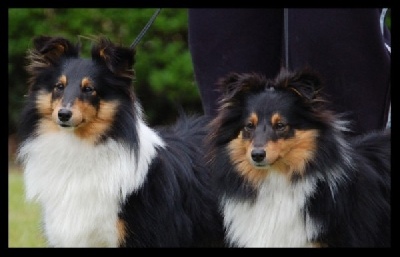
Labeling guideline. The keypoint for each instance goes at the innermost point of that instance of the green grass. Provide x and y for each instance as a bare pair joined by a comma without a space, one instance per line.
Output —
24,229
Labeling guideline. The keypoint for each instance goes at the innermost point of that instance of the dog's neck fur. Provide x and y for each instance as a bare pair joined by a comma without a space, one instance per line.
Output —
265,222
81,186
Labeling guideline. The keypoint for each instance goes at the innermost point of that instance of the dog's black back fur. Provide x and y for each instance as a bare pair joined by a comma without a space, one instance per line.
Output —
364,199
175,207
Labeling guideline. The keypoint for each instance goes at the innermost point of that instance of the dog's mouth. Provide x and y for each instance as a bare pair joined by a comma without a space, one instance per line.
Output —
68,124
261,164
65,125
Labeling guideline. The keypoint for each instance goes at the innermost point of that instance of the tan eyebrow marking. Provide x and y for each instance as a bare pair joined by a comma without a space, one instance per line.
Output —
86,82
63,80
275,118
253,118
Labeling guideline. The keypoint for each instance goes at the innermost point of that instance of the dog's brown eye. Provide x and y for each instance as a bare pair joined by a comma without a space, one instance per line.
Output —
249,126
59,87
280,126
87,89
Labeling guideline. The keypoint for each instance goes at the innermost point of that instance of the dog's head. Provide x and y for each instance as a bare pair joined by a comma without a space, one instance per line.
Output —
79,94
269,125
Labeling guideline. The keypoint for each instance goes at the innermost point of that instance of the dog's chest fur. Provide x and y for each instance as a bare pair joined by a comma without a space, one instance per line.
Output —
275,219
81,186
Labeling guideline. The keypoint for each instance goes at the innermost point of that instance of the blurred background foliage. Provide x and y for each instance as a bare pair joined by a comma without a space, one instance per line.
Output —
164,74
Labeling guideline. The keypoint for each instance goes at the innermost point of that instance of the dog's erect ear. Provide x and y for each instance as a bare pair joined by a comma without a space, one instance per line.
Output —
236,86
119,60
54,47
306,83
48,51
227,85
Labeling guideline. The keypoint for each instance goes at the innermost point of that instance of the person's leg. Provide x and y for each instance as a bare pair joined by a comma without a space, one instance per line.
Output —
233,40
346,46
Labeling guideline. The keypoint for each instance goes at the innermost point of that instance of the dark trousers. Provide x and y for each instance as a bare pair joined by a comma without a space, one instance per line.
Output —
345,46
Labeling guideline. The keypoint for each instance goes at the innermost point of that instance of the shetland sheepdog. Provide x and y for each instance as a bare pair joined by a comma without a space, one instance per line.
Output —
102,176
288,171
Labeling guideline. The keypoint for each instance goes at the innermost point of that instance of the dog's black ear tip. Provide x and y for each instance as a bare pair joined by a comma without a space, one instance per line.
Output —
46,38
229,78
310,75
118,59
53,46
309,72
40,40
307,82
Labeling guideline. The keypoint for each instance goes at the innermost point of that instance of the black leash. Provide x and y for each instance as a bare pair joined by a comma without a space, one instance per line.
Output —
286,35
145,29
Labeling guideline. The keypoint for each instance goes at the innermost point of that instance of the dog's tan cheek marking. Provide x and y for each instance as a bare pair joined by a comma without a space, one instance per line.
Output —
238,149
121,230
46,108
96,122
44,104
293,154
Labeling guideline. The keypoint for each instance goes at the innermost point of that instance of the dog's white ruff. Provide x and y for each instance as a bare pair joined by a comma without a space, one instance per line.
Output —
274,219
81,186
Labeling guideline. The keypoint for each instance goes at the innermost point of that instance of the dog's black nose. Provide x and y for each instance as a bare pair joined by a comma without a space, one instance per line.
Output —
258,154
64,114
